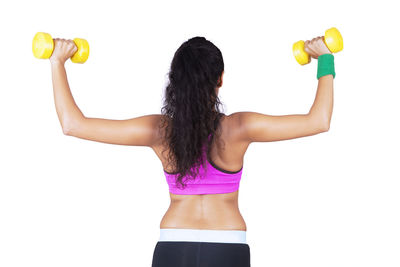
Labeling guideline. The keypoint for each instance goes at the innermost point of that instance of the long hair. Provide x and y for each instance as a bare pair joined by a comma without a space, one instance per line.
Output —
191,106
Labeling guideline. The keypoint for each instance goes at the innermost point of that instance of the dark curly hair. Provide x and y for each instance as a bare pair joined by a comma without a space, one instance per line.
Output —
191,106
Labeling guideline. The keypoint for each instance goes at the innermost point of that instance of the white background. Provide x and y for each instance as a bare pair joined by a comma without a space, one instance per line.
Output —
327,200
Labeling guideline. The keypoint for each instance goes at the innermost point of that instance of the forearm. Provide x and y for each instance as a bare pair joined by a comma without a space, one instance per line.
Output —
323,103
67,110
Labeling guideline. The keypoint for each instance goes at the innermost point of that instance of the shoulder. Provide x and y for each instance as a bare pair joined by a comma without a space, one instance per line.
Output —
234,126
235,122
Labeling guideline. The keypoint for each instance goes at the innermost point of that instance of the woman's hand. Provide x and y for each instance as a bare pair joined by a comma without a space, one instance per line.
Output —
316,47
63,50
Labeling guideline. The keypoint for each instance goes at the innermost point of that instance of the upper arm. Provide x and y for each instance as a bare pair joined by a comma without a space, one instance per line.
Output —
140,131
257,127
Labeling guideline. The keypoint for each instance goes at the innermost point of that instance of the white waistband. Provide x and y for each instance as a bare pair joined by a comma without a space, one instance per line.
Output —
200,235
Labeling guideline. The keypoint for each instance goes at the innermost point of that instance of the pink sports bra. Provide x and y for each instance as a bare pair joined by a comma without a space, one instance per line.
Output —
214,180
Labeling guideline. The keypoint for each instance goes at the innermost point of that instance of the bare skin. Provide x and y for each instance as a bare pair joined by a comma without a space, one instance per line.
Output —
238,131
211,211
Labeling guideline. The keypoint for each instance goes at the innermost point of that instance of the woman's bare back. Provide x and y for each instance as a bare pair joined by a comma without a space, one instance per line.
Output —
210,211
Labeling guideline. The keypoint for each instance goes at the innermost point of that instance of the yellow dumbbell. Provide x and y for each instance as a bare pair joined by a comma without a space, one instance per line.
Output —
333,40
43,46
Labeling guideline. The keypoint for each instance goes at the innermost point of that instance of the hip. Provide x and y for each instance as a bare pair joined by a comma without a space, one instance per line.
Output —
202,235
196,248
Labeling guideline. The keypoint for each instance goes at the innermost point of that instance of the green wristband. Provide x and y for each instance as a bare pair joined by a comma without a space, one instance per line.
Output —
326,65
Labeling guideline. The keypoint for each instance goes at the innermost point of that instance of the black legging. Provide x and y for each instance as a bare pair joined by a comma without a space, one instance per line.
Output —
200,254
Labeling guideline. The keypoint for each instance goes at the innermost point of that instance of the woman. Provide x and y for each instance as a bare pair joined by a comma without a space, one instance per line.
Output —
201,149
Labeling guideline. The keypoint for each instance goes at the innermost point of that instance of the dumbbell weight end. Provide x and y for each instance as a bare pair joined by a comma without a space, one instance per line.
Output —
42,45
333,40
302,57
82,54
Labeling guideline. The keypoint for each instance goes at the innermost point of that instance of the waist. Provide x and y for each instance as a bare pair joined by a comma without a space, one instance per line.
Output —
202,235
207,212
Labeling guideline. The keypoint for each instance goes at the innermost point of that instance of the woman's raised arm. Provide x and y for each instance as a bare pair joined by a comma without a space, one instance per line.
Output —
140,131
257,127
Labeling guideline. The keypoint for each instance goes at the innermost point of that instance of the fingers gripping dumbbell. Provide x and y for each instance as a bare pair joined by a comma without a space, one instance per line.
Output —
333,40
43,46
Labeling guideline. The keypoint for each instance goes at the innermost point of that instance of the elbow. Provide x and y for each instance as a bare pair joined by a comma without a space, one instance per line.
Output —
325,126
70,125
321,123
67,127
66,130
325,122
